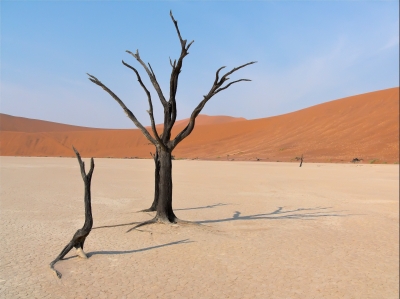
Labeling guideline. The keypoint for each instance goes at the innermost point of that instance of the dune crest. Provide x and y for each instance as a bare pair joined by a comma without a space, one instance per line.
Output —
29,125
364,126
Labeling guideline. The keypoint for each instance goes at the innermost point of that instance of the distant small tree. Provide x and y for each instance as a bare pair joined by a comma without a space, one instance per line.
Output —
163,143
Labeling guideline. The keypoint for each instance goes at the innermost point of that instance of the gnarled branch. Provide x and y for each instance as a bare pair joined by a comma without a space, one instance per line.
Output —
217,75
127,111
224,77
225,87
217,87
176,69
151,76
150,111
85,177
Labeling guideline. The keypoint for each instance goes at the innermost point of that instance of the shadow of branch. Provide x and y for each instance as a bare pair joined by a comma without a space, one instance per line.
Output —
204,207
185,241
280,213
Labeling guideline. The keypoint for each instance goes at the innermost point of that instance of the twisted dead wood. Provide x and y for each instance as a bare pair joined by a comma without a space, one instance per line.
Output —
78,240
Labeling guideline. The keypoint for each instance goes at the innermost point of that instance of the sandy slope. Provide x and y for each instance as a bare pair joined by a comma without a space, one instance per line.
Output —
28,125
364,126
23,124
269,230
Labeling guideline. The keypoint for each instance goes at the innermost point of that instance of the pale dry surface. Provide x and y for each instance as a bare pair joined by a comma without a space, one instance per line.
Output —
268,230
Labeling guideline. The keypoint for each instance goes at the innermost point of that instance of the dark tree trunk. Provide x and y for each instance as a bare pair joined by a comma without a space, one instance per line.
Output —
164,206
78,240
301,161
165,213
153,207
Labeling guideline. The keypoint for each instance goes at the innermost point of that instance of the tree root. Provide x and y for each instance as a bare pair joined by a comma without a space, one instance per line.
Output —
185,222
154,220
79,252
58,274
157,220
70,245
147,210
63,253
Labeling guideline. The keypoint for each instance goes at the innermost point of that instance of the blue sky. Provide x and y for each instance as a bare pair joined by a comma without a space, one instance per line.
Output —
308,52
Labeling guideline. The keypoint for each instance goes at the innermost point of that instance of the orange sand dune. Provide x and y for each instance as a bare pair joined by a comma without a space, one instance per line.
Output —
203,119
365,126
22,124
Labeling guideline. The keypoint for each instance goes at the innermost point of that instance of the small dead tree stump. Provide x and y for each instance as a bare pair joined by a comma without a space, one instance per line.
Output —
301,161
79,237
355,160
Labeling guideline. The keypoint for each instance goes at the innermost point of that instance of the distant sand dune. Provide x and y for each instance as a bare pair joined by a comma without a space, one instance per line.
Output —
365,126
22,124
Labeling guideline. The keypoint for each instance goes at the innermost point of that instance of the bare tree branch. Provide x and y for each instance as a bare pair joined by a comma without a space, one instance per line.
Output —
126,110
213,91
224,77
152,72
217,75
183,42
151,76
170,62
225,87
176,69
81,163
150,111
89,175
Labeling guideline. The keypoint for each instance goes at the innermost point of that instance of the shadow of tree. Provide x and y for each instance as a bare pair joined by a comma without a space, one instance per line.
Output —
279,213
185,209
90,254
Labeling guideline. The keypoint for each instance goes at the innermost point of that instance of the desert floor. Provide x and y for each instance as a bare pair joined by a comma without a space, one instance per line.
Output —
268,230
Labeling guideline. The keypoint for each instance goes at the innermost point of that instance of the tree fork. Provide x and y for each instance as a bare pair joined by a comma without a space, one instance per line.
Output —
79,237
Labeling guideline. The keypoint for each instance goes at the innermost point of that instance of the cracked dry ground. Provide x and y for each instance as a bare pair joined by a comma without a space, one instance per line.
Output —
268,230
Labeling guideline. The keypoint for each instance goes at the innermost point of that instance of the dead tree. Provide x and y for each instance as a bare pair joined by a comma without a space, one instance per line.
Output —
301,160
163,141
78,240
